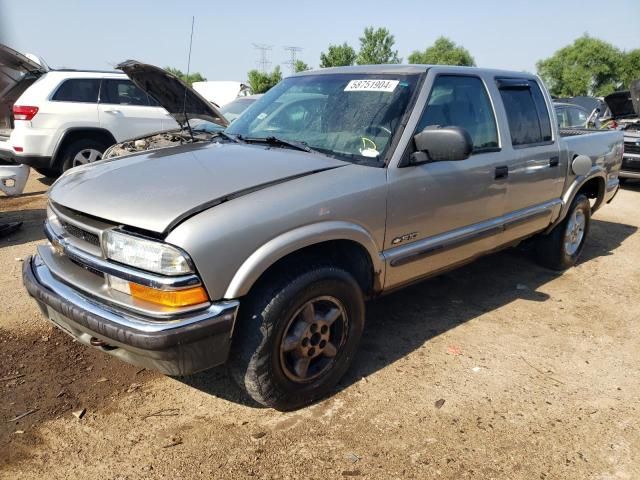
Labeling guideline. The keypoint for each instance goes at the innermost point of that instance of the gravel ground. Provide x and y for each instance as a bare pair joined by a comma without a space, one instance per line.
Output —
499,370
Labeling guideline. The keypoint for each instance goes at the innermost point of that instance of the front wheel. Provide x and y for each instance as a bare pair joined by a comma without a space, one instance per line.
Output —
297,337
561,248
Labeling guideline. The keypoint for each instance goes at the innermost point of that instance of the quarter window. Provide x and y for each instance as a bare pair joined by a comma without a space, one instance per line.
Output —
526,112
462,101
122,92
78,90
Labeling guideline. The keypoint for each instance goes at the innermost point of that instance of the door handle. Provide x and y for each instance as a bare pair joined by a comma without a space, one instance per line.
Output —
502,172
554,161
112,111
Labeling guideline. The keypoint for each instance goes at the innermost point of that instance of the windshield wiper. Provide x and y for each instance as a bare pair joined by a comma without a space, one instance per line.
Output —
279,141
228,136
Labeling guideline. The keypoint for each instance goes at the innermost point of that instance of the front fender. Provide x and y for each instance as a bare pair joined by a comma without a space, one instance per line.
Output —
279,247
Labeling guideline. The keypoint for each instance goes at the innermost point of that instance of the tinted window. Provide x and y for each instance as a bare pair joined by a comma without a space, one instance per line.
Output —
122,92
78,90
527,113
541,110
462,102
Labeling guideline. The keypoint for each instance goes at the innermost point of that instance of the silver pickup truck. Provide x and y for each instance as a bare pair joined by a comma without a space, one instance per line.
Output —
259,247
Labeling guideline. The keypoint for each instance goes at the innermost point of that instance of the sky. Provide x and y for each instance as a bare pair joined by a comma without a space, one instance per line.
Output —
511,34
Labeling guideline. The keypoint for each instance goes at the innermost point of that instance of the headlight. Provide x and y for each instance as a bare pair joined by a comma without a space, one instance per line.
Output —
145,254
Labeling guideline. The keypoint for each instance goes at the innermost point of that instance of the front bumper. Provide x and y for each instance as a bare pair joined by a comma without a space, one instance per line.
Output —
194,342
630,166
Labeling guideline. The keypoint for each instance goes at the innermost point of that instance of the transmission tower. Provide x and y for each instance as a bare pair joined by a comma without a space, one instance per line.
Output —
263,61
293,53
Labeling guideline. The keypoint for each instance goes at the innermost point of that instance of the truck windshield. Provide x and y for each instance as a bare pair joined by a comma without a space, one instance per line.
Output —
352,117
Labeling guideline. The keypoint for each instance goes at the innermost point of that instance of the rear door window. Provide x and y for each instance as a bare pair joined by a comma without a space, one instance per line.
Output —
526,110
78,90
462,101
122,92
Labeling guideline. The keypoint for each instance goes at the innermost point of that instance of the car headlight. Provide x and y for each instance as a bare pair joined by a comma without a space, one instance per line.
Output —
145,254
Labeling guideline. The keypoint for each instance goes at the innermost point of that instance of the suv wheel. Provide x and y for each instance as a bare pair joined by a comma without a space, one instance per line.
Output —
296,338
561,248
82,152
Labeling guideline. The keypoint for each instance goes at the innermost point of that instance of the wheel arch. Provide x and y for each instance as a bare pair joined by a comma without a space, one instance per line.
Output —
594,185
348,245
77,133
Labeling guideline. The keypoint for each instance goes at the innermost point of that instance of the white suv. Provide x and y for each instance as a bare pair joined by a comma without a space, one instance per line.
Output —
53,120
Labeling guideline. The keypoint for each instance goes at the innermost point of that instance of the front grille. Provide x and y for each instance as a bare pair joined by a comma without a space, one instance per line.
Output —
88,268
632,148
74,231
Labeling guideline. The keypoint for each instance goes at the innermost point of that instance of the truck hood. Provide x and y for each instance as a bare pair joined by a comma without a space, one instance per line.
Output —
176,97
155,191
625,103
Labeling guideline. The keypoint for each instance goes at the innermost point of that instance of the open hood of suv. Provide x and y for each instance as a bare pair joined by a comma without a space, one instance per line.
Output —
625,103
180,100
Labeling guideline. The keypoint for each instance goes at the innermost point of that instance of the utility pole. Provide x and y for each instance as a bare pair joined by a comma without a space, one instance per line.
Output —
263,61
293,52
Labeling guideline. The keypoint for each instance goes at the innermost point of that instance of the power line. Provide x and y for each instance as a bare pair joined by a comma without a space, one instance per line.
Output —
293,53
263,61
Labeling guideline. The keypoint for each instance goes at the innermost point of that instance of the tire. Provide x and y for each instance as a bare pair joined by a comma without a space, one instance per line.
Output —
47,172
71,152
556,250
271,370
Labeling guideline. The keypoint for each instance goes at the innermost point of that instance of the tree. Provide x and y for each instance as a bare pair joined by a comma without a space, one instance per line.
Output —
443,52
188,79
262,82
630,67
587,67
376,47
338,56
300,66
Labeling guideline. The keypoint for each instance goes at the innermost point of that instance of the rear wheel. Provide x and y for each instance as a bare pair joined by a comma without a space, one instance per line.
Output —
297,337
561,248
82,152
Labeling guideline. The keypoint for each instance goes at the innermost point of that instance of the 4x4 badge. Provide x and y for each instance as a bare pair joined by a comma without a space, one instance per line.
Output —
404,238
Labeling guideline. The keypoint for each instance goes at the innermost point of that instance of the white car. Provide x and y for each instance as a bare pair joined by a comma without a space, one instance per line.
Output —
54,120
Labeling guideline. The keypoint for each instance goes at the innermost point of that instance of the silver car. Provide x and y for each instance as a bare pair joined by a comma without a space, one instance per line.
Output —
260,248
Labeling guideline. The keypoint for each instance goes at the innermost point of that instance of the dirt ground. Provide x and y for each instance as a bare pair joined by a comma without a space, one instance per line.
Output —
499,370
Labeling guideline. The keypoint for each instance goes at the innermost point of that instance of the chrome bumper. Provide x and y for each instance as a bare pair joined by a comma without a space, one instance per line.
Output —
195,341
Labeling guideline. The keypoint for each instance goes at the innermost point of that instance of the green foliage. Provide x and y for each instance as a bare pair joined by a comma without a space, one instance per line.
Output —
300,66
376,47
262,82
587,67
630,70
443,52
338,56
188,79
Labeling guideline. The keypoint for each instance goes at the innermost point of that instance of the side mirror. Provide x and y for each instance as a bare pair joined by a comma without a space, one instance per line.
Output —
435,144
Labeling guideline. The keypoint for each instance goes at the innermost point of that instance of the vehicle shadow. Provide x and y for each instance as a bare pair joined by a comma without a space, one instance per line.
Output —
31,229
422,311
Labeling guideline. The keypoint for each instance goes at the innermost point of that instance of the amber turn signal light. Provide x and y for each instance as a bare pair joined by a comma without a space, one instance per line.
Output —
169,298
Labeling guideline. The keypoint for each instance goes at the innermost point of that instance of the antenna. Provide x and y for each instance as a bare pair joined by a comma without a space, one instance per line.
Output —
293,52
184,105
263,62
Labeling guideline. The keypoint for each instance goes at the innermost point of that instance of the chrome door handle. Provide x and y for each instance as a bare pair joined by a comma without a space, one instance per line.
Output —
112,111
